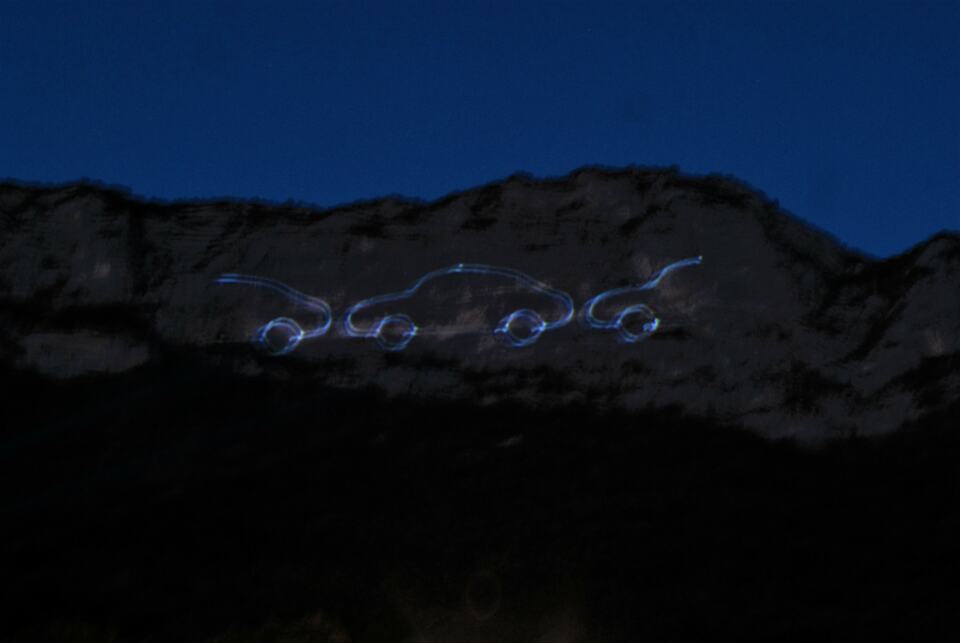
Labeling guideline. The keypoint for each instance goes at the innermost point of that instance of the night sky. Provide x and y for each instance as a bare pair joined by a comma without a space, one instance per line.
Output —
845,112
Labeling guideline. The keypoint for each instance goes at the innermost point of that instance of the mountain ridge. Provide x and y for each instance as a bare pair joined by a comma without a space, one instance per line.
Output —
782,329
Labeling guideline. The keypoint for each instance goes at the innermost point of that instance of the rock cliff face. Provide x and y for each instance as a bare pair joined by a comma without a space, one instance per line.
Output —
780,329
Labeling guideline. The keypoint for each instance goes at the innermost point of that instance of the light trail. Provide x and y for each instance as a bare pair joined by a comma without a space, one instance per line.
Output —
394,331
618,321
506,330
292,332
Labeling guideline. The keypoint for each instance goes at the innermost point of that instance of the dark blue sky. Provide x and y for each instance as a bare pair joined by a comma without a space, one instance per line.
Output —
845,112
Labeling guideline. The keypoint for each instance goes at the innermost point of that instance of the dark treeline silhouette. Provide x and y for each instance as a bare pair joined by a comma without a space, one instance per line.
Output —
182,502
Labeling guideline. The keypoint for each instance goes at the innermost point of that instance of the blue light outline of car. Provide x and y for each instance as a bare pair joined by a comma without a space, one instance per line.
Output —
294,332
503,331
617,323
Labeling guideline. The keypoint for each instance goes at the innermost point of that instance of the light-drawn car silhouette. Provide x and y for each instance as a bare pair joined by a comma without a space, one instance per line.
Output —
395,331
618,321
281,335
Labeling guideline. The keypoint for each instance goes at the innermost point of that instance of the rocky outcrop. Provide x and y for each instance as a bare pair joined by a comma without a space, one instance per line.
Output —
781,329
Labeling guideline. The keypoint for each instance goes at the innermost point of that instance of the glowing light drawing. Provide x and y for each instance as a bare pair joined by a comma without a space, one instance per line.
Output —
292,332
395,331
617,322
506,330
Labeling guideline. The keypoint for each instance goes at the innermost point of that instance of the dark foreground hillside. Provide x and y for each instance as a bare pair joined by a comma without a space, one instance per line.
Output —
179,503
